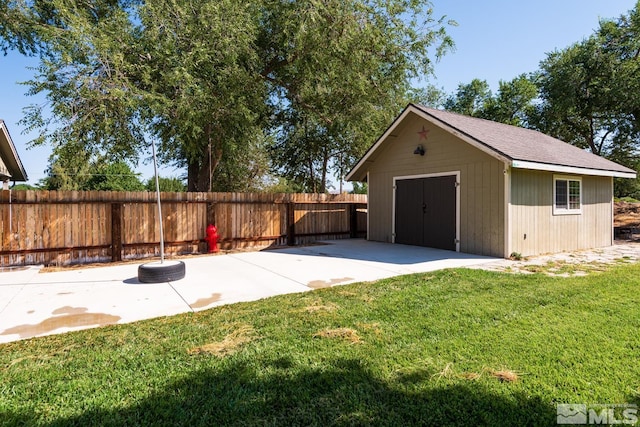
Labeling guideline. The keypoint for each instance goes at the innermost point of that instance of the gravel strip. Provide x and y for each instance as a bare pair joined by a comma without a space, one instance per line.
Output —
576,263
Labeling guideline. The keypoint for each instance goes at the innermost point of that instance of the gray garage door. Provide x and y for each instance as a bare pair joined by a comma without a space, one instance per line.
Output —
426,212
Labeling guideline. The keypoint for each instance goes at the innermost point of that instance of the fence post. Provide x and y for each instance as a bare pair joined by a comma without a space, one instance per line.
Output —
291,219
116,232
353,221
210,219
5,196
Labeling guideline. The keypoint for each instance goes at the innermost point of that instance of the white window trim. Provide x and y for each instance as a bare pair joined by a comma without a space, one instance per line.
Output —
568,211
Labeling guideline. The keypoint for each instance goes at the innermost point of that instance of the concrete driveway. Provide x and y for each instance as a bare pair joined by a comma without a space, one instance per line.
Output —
35,304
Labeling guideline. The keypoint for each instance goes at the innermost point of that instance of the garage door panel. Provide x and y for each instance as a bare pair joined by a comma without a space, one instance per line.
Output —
409,214
426,212
440,216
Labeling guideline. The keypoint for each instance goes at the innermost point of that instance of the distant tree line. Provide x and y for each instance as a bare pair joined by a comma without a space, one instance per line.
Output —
116,176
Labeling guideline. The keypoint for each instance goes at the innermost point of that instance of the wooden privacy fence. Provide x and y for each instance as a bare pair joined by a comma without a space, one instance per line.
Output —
72,227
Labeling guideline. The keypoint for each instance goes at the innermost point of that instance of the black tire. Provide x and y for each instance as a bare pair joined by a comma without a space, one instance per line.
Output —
156,272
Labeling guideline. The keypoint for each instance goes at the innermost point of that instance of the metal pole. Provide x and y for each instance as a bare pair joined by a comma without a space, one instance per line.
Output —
155,172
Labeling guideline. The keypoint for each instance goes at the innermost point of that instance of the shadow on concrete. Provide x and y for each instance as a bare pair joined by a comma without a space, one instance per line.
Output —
342,392
364,250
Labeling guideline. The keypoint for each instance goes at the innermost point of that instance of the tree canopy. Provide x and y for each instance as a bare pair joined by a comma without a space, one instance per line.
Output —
173,185
219,83
91,175
514,103
588,94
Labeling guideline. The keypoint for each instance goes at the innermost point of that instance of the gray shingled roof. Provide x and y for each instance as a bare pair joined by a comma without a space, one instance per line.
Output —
521,144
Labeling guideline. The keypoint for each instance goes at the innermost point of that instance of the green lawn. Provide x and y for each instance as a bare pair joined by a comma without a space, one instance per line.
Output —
456,347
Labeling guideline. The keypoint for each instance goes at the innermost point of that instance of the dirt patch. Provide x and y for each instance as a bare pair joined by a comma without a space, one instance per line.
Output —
626,214
447,372
317,306
505,376
229,345
346,334
370,327
626,221
471,376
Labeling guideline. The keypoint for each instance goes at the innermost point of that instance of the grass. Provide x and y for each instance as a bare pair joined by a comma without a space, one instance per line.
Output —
564,268
456,347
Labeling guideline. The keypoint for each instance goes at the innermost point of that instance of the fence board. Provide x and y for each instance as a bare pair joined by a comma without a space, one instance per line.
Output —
58,227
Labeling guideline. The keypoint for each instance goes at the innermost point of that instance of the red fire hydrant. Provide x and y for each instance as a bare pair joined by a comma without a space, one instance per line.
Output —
212,238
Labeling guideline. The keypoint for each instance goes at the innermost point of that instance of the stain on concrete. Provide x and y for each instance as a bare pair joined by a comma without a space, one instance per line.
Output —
64,293
319,284
203,302
69,310
64,317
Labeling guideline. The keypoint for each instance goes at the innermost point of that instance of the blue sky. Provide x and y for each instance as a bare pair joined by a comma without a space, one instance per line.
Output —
495,40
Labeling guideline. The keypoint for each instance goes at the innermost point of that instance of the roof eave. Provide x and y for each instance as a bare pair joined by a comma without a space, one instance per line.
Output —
359,171
521,164
474,142
10,155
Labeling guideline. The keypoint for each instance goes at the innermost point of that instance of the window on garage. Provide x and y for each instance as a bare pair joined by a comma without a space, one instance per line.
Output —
567,195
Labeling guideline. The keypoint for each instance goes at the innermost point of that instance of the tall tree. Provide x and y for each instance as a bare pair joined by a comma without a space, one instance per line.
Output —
341,70
116,176
589,94
589,89
202,70
578,88
173,184
65,172
244,168
470,99
211,78
69,168
93,109
513,103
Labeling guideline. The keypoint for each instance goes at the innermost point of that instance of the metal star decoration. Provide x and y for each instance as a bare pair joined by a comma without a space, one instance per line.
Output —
424,133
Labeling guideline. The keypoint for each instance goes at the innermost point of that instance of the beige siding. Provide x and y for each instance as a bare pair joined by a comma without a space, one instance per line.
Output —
380,203
4,172
536,230
481,184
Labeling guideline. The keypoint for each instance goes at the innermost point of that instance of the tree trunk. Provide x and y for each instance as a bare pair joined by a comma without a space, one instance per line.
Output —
197,174
592,138
200,171
312,178
323,182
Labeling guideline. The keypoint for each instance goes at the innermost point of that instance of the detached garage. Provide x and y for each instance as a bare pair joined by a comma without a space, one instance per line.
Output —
449,181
